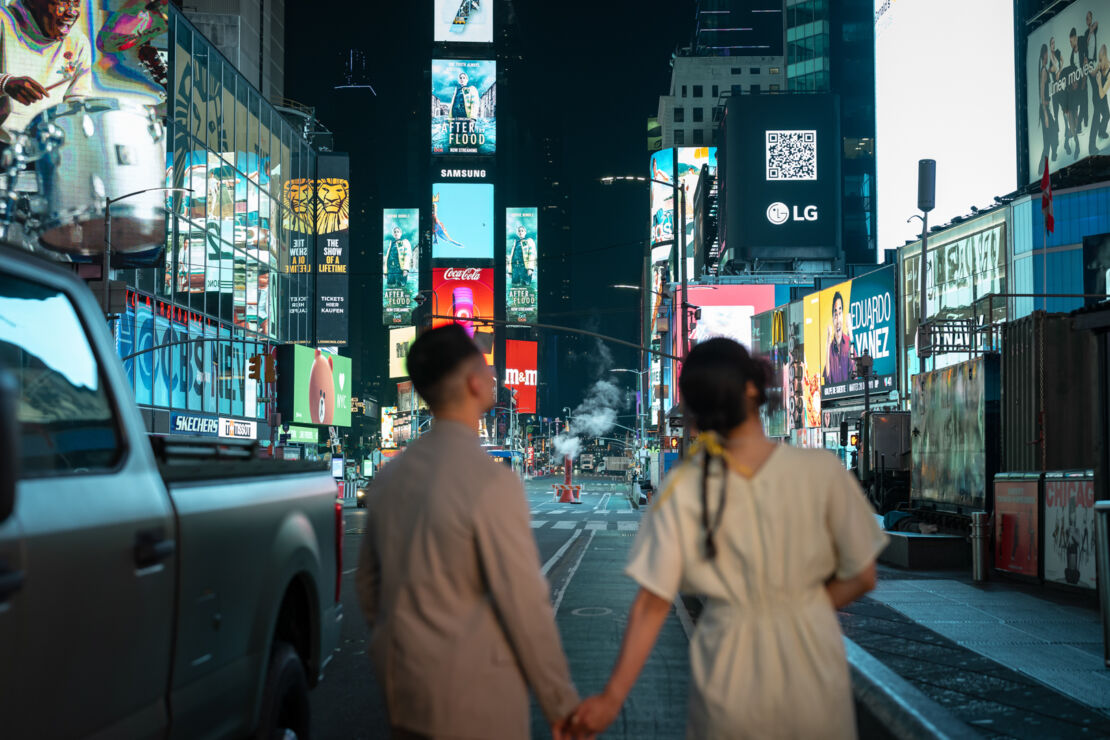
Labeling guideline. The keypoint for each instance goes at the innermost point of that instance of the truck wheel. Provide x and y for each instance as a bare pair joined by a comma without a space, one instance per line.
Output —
285,708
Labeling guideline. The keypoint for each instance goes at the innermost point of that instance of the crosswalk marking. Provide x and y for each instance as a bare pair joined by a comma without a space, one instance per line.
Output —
537,523
623,526
597,525
565,524
589,525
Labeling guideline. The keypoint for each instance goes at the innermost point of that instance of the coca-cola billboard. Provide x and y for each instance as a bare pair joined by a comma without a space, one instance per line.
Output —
521,373
466,294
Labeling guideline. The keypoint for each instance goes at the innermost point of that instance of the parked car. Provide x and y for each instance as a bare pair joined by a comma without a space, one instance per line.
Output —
165,587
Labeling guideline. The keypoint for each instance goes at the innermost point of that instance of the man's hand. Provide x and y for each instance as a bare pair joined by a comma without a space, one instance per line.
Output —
25,90
595,714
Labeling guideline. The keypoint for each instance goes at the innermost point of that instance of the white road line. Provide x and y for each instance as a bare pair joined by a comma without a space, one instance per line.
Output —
628,526
565,524
594,526
602,503
561,551
570,575
537,523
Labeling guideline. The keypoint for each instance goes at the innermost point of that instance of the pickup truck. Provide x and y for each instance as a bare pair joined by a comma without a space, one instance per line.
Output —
148,587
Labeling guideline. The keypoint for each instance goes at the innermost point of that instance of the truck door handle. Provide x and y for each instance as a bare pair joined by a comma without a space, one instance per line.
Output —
10,582
152,547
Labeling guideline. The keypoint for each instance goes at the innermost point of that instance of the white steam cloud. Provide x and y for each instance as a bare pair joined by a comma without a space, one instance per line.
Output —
594,417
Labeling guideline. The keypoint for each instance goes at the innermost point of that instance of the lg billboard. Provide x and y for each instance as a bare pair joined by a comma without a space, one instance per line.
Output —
781,177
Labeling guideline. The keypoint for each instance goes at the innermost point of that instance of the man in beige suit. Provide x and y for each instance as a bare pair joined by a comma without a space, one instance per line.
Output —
449,576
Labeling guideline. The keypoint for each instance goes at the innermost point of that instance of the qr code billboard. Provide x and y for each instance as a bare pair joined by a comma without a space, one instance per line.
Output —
791,155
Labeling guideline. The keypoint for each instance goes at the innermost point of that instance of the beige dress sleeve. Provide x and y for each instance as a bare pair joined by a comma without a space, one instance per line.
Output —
856,534
657,562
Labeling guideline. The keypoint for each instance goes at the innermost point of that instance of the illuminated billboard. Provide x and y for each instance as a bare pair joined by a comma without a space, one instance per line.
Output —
858,316
333,223
521,373
928,107
463,21
388,413
521,273
1064,109
465,293
399,342
688,163
462,220
662,196
781,177
314,387
464,106
400,264
812,348
727,311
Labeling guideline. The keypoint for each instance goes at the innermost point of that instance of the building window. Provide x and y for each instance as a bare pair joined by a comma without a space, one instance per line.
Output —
755,90
755,70
683,91
717,112
679,137
735,70
699,115
699,137
699,91
716,92
679,115
775,70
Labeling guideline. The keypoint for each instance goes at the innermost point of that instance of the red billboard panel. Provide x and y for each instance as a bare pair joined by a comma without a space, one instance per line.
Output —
521,373
466,293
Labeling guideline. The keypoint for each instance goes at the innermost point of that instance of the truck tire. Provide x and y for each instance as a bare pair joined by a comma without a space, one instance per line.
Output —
285,708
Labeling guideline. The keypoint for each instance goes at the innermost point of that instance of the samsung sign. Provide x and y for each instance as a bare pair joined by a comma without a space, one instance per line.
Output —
198,426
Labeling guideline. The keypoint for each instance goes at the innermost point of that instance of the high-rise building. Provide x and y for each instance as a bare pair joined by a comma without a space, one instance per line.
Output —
250,34
744,28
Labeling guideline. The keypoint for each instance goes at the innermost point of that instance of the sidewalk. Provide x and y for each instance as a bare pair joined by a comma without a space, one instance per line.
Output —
1008,659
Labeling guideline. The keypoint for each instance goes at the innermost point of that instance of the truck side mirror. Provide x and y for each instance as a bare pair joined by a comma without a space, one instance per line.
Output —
9,443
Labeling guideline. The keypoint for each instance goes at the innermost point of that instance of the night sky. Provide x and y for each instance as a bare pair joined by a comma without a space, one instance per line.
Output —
591,75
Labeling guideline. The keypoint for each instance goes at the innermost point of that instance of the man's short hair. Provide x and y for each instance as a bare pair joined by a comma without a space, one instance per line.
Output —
436,355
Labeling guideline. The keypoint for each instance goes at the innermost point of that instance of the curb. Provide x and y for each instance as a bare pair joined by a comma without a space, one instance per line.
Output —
887,702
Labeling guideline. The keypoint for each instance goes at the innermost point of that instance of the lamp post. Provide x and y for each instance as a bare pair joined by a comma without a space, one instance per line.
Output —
108,236
639,416
926,201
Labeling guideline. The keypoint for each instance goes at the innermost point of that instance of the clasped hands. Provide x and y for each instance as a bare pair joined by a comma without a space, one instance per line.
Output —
588,719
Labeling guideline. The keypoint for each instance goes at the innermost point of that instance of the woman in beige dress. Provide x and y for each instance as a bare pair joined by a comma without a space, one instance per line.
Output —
777,538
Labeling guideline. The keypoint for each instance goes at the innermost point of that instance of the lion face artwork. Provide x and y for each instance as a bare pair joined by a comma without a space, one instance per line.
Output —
333,197
297,197
321,390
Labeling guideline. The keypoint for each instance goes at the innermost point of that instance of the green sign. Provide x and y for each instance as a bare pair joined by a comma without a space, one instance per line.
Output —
321,387
304,435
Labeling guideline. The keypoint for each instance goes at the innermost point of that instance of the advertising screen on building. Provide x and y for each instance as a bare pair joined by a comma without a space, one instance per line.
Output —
388,439
521,273
464,106
812,349
463,21
929,105
399,342
727,311
333,224
1064,109
462,221
781,177
465,293
858,316
298,195
400,264
688,162
521,373
317,390
662,196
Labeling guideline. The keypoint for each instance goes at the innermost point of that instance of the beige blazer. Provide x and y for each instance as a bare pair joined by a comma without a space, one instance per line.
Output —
449,581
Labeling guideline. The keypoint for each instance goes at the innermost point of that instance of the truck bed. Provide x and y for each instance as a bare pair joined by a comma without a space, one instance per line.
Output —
182,459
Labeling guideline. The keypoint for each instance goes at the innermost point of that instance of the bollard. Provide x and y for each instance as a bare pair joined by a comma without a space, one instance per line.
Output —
980,546
1102,560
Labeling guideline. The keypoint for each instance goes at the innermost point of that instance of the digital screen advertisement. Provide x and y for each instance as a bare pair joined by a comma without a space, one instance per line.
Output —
662,196
521,373
521,273
462,221
924,94
858,316
1063,78
388,439
399,342
463,21
689,161
783,177
318,391
298,195
400,264
811,368
464,106
727,311
465,293
333,223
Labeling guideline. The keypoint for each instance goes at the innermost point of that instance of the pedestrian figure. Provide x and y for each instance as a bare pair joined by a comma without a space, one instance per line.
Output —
449,576
777,538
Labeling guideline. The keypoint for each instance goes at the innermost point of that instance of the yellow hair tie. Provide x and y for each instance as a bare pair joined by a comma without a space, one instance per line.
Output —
710,442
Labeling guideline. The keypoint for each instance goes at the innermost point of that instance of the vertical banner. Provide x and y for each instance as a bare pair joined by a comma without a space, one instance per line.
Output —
464,106
521,273
466,293
662,197
811,367
463,21
333,223
399,342
298,196
521,373
400,264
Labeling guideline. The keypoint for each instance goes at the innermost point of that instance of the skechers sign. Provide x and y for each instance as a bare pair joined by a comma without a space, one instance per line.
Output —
780,213
199,426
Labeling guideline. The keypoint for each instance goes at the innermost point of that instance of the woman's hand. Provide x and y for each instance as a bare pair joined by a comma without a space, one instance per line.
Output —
595,714
844,592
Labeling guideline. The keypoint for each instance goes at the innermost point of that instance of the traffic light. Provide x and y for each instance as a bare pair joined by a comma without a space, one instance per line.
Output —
254,368
271,368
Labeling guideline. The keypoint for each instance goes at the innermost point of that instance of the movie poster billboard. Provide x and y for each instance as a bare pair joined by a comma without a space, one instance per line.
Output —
462,221
464,106
521,373
466,293
333,224
521,273
1017,525
463,21
858,317
400,264
1064,110
399,342
318,391
662,196
1069,529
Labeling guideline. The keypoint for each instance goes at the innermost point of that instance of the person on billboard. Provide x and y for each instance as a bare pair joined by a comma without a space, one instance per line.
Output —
1088,52
1049,104
41,63
838,359
777,538
439,231
1100,80
521,256
464,101
449,576
1074,91
398,260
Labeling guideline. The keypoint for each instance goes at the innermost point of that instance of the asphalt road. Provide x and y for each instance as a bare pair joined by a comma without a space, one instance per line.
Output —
583,549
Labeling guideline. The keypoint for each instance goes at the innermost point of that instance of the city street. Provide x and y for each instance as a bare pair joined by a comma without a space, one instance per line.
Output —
583,549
